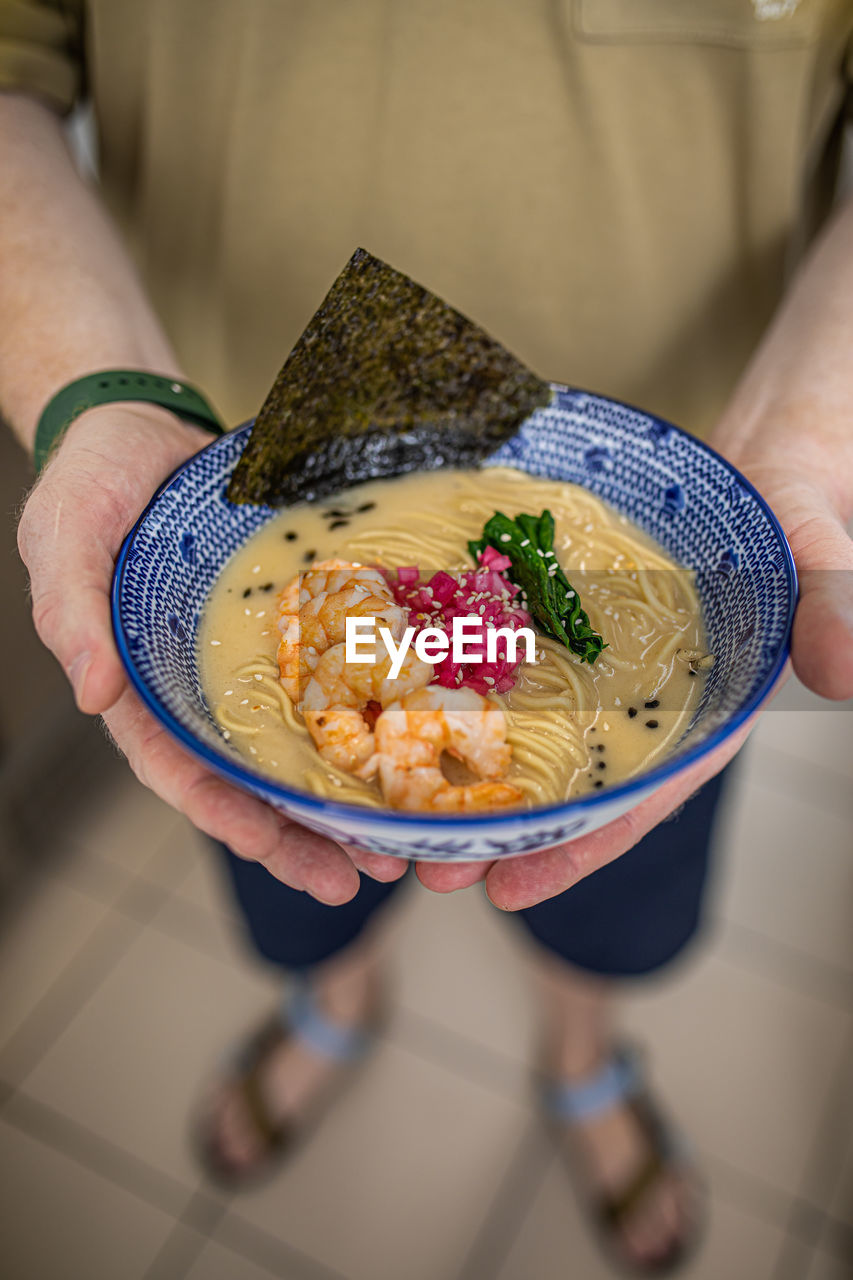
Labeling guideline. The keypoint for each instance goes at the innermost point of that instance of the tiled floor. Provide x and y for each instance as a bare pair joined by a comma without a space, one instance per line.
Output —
122,977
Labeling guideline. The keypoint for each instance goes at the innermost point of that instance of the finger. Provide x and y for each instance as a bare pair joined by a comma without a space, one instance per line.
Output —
515,883
822,638
447,877
62,543
252,829
379,866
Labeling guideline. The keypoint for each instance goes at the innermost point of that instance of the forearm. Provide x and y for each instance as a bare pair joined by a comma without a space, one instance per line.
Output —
70,299
792,411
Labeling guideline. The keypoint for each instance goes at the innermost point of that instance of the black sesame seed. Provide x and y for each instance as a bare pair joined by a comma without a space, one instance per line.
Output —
651,704
632,711
338,524
651,724
291,535
247,593
600,746
602,764
309,556
267,586
334,513
598,783
366,506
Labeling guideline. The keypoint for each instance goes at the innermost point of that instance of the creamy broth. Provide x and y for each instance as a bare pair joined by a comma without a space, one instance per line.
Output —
573,727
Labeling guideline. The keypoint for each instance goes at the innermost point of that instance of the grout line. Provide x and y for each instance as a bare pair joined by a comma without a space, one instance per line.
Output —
744,1190
89,1149
89,967
176,1255
799,1243
824,1166
474,1061
509,1208
187,1238
269,1251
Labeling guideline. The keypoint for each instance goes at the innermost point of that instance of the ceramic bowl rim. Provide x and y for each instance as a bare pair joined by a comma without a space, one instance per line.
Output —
249,779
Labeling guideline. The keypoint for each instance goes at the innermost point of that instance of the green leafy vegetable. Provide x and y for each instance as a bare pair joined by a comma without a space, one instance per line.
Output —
551,600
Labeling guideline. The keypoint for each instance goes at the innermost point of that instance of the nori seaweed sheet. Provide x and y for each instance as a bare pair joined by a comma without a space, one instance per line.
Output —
385,379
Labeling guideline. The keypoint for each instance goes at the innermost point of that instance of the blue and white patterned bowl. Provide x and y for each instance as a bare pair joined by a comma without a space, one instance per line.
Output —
696,505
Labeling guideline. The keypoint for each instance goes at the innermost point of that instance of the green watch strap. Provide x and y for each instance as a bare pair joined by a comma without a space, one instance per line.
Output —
111,386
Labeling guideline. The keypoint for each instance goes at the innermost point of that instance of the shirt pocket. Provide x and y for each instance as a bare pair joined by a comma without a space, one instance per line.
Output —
749,24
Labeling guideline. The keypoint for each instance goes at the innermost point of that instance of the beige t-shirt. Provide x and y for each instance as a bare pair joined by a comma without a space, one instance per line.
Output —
616,189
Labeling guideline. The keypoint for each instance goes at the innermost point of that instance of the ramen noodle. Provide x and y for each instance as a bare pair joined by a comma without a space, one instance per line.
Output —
573,728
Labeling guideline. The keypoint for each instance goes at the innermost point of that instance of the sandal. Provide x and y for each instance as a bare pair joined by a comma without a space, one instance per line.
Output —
299,1017
621,1082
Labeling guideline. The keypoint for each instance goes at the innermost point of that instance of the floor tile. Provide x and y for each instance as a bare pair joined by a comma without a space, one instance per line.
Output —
130,1065
125,824
61,1219
828,1266
819,733
787,872
208,931
556,1241
842,1201
398,1179
204,881
42,934
744,1062
461,964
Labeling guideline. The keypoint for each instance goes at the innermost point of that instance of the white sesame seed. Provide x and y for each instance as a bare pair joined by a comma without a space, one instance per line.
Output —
525,543
256,568
215,642
506,537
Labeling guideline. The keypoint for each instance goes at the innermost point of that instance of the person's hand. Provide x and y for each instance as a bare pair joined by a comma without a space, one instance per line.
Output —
101,477
808,501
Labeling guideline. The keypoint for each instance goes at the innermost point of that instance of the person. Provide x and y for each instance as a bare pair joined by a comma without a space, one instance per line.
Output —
633,197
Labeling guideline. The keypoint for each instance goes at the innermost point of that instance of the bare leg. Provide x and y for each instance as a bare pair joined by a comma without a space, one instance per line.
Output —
347,988
577,1041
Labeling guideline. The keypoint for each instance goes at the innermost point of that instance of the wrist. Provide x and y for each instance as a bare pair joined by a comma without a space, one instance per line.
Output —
113,387
128,449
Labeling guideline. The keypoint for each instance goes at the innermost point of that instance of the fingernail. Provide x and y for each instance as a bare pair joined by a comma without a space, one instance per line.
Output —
77,673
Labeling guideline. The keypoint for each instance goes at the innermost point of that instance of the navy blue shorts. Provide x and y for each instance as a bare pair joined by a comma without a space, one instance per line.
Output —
629,918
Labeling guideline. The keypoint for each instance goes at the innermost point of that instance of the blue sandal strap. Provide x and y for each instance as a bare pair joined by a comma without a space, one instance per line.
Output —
303,1015
618,1079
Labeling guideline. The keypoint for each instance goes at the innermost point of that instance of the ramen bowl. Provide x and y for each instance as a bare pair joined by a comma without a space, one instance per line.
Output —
676,489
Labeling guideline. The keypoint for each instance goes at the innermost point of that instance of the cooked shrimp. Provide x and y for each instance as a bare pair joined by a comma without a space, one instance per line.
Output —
313,610
410,736
338,693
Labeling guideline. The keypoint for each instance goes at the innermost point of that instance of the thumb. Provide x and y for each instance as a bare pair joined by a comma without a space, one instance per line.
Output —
67,537
822,640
